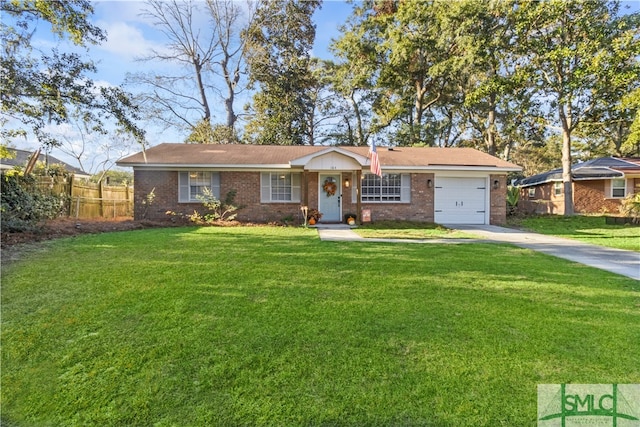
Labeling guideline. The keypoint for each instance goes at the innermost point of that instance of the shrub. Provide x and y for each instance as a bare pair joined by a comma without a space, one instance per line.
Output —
216,210
631,206
24,206
513,197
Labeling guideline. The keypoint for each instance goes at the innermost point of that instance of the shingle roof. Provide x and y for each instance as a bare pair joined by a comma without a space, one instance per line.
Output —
22,157
604,167
240,155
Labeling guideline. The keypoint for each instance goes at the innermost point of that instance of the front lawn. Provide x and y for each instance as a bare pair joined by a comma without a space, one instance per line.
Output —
271,326
408,230
589,229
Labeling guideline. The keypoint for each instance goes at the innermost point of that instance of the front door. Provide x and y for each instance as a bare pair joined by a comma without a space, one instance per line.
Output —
329,198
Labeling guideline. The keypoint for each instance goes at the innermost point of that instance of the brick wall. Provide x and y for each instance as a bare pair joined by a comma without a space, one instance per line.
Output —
420,209
543,202
498,200
589,197
247,186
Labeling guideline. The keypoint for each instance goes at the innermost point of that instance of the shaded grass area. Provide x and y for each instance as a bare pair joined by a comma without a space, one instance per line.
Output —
589,229
270,326
408,230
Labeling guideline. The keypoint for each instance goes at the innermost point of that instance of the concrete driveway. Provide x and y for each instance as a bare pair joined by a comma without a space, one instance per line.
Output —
626,263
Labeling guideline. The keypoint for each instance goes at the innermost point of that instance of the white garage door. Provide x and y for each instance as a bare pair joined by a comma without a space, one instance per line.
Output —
460,200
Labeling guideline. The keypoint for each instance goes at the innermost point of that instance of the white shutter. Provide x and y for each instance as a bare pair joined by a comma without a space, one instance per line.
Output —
405,188
295,187
265,186
215,184
183,187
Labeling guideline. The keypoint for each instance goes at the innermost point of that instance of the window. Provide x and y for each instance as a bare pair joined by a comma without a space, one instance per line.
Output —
532,192
557,188
193,184
390,188
618,188
280,187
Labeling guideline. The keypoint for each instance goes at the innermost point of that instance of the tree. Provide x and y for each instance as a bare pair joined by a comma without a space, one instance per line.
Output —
209,60
572,49
39,88
278,45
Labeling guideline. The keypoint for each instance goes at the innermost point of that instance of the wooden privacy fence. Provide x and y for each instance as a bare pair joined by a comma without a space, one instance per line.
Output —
89,199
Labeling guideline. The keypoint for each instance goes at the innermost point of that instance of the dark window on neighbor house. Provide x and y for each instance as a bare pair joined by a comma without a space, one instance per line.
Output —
280,187
194,184
557,188
618,188
532,192
392,187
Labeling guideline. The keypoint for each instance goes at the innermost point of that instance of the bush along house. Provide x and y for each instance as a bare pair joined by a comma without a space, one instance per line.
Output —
599,186
273,182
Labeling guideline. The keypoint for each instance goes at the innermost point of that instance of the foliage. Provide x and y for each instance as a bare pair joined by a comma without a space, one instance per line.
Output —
631,206
114,177
202,54
6,153
39,88
148,200
513,197
215,210
253,326
279,42
581,57
204,133
24,205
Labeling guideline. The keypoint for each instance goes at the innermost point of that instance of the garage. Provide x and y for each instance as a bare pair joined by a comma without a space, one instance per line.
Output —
460,200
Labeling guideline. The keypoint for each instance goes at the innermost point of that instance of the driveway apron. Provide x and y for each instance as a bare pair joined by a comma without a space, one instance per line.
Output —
626,263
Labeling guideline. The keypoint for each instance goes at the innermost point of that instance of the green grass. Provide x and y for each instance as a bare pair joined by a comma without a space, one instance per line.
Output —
408,230
270,326
589,229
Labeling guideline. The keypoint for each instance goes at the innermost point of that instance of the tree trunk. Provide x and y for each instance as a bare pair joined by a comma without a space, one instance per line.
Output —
491,126
566,161
359,132
203,95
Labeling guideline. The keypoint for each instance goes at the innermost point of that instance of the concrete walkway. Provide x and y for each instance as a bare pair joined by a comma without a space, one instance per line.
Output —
626,263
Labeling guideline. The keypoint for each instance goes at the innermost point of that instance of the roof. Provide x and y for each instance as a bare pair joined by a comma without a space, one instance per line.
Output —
601,168
21,158
283,156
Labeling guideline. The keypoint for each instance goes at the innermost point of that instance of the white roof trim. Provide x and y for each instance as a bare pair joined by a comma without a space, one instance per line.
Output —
302,161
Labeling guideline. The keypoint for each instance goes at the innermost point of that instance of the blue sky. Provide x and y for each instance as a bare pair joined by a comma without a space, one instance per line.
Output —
131,35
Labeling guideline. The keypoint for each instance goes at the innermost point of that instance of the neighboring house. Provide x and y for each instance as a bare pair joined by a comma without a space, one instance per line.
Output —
21,158
443,185
598,187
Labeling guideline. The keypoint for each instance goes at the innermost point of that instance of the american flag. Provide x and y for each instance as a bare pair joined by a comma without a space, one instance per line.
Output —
375,162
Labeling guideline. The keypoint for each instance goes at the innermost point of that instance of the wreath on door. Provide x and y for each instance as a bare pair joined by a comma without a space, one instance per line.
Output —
329,187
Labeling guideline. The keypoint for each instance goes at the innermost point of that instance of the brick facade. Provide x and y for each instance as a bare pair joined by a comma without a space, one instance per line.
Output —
164,185
497,200
589,197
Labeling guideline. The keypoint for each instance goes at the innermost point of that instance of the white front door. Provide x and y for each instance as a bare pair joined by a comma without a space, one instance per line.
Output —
460,200
328,203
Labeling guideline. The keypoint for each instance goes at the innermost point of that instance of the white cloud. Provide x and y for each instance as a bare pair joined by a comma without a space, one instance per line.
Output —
126,41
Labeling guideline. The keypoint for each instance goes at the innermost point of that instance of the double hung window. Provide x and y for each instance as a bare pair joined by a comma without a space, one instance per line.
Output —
195,184
280,187
391,187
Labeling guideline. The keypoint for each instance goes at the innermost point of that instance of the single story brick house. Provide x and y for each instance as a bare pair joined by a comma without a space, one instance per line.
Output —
599,186
443,185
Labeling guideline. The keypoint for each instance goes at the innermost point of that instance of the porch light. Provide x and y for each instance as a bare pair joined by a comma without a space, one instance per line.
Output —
347,183
430,183
496,184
